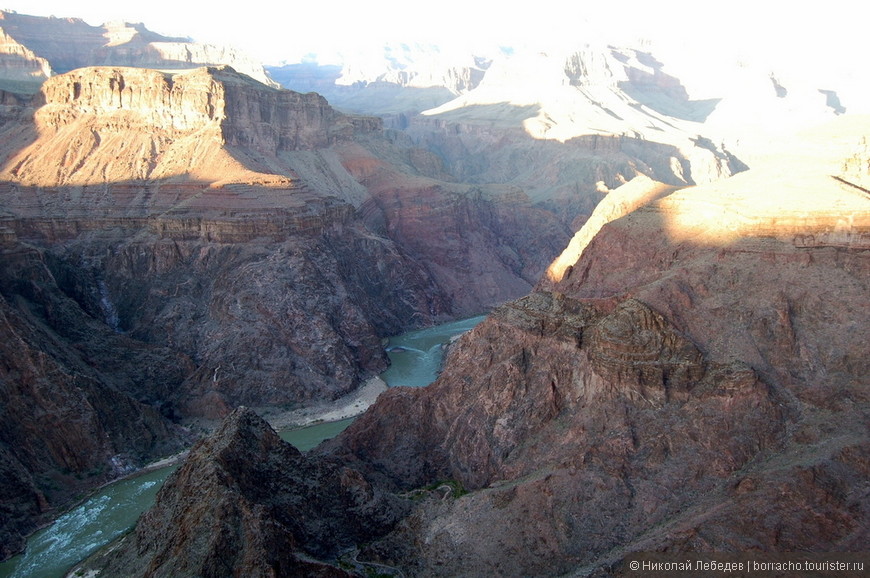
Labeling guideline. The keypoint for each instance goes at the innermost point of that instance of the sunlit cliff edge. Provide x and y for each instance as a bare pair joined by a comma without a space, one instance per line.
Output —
808,190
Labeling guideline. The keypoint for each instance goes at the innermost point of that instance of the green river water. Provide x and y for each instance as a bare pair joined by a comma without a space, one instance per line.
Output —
415,361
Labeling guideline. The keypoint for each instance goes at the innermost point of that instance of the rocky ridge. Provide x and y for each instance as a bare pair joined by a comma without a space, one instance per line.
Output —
705,344
563,125
246,480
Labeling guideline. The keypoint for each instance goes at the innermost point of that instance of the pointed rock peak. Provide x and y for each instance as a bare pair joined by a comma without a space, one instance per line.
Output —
242,419
244,433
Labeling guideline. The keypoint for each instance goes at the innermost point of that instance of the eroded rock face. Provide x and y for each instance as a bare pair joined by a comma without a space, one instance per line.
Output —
79,404
69,43
685,385
227,234
19,64
268,324
250,114
245,480
482,244
273,288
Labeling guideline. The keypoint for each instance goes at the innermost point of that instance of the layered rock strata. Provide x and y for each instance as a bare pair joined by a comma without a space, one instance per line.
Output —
65,44
20,68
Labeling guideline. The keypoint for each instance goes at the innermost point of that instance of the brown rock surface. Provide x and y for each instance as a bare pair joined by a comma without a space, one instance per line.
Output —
254,489
116,125
688,384
156,224
224,236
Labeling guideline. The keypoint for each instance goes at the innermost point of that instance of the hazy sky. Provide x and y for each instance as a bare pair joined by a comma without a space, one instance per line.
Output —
284,30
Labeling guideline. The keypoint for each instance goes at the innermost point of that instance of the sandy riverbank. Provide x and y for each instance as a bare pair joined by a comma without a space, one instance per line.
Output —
350,405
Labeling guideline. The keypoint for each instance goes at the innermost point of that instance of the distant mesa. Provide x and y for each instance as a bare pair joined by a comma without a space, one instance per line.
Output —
27,39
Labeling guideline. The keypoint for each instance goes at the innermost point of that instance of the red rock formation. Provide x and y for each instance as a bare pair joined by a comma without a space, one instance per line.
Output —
686,385
217,228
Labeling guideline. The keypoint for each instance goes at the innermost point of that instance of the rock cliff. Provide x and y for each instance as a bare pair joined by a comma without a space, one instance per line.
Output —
677,334
20,68
65,44
560,124
174,191
80,405
121,124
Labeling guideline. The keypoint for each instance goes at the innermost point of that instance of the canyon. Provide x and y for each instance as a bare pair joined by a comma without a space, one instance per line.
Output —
685,385
35,48
708,398
194,240
185,248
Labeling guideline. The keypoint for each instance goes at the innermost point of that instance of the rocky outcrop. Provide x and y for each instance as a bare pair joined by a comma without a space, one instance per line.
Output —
268,323
159,265
211,102
70,43
256,487
685,375
187,155
227,235
568,452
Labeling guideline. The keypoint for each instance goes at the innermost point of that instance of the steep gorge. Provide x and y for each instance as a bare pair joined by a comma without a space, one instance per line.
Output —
177,244
214,242
688,384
